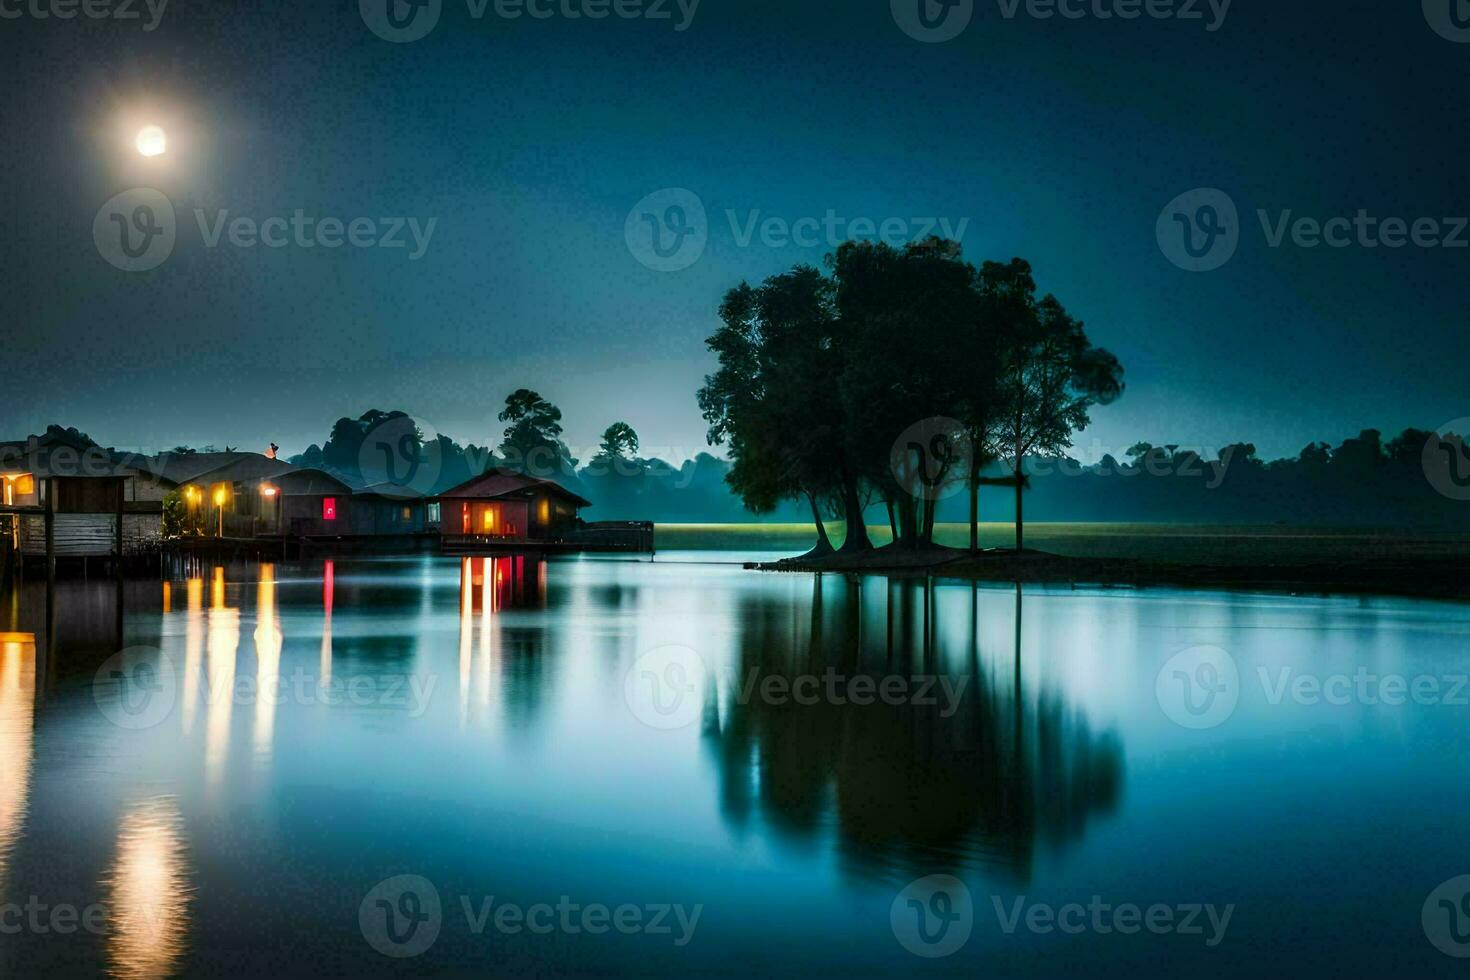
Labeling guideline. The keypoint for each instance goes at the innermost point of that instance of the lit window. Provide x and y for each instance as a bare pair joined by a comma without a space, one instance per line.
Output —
433,513
545,511
408,513
25,484
329,508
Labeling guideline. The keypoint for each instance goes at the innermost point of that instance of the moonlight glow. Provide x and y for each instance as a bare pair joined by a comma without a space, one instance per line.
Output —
151,141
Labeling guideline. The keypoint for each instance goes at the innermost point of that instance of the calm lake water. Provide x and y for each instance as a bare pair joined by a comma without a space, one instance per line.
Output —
681,767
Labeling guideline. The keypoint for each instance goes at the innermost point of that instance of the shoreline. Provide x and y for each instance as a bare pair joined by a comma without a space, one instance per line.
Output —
1422,577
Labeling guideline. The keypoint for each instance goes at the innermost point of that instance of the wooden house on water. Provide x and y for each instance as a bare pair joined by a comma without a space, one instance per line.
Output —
503,507
62,497
248,495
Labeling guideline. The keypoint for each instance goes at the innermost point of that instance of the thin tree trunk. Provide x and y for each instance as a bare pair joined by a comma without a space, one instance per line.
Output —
974,503
824,543
857,530
892,519
1020,485
908,526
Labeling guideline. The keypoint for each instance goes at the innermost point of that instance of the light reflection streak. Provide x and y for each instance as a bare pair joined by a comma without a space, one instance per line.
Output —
267,661
17,736
148,893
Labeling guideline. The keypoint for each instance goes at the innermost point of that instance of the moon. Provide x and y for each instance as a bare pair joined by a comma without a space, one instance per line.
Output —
151,141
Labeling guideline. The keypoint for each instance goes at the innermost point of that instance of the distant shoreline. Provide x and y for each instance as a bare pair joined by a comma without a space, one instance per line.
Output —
1425,577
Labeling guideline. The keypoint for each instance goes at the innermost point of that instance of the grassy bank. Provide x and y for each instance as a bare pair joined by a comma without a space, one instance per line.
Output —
1183,543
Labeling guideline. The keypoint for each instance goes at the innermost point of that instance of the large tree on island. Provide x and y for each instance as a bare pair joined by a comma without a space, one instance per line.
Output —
1050,377
772,402
532,443
911,345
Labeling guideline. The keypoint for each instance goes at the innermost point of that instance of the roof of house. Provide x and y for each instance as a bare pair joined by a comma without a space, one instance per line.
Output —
218,467
390,491
497,483
309,483
51,455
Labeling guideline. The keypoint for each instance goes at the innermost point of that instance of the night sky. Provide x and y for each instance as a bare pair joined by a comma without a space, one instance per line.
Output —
529,141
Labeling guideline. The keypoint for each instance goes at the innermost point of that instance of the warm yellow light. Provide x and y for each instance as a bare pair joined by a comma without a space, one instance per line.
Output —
220,496
267,490
191,494
25,484
151,141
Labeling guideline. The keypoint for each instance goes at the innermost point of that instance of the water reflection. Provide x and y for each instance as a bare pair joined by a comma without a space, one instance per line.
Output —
148,893
17,737
974,773
221,645
267,661
492,651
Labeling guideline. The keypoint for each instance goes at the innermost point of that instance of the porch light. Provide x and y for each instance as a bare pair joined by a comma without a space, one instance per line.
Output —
266,490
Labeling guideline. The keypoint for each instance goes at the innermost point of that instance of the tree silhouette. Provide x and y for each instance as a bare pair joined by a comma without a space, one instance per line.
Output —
532,442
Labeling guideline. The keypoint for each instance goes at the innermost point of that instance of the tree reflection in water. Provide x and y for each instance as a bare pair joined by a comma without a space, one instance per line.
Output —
907,787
